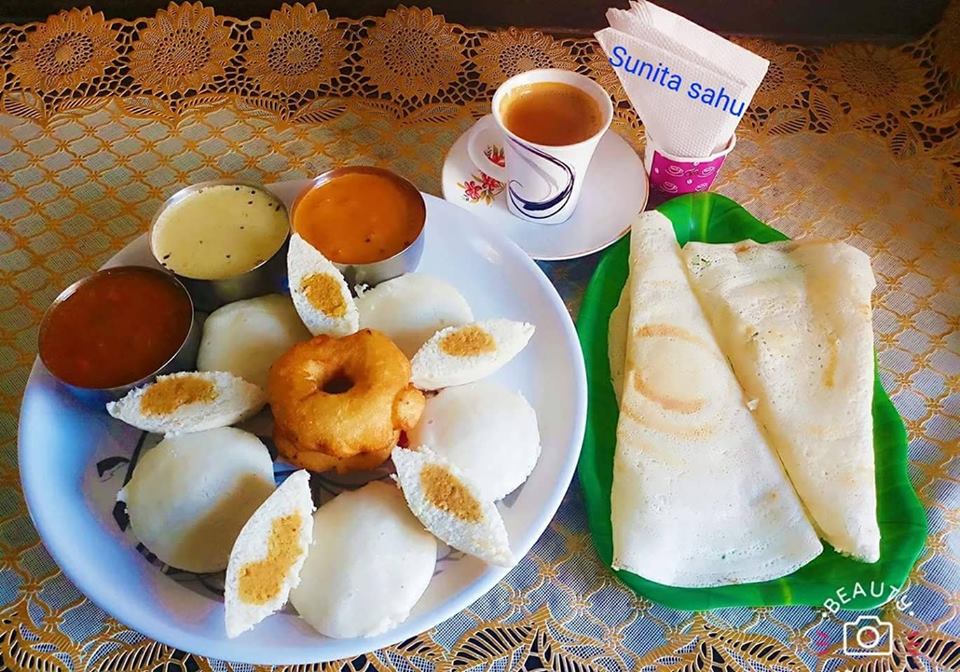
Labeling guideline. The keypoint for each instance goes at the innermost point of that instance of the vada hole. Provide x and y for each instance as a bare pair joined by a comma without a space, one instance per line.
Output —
338,384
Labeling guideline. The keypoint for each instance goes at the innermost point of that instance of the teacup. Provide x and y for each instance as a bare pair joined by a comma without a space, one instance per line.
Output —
543,179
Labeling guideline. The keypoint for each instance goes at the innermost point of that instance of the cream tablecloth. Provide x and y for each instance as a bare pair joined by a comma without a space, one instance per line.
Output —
101,119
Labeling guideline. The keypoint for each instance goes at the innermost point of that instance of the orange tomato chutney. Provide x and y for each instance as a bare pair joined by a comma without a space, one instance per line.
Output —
119,326
359,218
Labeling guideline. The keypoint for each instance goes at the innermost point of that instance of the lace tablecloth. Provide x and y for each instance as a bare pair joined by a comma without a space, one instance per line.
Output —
100,120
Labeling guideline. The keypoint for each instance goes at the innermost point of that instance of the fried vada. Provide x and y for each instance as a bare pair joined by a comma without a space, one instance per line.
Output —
341,403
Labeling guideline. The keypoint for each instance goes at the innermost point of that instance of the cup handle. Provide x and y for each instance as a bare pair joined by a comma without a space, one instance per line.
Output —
483,134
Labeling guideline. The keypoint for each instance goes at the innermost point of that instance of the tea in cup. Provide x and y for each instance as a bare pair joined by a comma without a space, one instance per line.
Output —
549,123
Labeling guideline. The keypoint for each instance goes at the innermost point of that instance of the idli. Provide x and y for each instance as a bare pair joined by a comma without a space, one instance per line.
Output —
319,292
246,337
464,354
369,563
487,431
189,401
450,506
267,557
190,495
412,308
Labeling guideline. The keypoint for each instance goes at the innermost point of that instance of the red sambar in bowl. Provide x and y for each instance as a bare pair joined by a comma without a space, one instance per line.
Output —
115,328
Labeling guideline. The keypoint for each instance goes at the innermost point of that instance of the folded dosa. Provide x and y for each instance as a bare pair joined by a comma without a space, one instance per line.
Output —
794,319
698,497
618,328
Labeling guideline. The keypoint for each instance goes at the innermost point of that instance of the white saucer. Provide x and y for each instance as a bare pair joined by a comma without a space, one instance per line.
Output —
615,189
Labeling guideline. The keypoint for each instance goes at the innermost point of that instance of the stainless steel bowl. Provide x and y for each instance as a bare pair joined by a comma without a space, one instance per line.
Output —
208,295
183,359
404,261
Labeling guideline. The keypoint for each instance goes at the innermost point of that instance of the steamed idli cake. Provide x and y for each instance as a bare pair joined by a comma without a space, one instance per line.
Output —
795,320
268,554
319,292
246,337
190,495
190,401
451,507
467,353
412,308
699,498
487,431
368,565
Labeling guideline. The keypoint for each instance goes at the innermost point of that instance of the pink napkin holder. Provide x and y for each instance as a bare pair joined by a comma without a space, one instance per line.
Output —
672,175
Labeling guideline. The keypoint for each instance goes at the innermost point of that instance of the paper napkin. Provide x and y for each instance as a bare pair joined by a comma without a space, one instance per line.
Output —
688,85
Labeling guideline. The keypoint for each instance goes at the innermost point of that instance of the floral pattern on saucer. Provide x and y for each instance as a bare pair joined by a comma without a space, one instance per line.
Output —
481,187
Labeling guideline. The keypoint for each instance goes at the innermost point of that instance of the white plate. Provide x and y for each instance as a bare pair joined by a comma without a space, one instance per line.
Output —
614,190
61,442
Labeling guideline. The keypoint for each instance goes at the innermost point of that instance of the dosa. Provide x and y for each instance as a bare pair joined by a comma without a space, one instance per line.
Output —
699,499
794,319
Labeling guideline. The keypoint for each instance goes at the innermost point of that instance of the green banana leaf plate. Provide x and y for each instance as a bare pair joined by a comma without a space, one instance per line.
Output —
712,218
